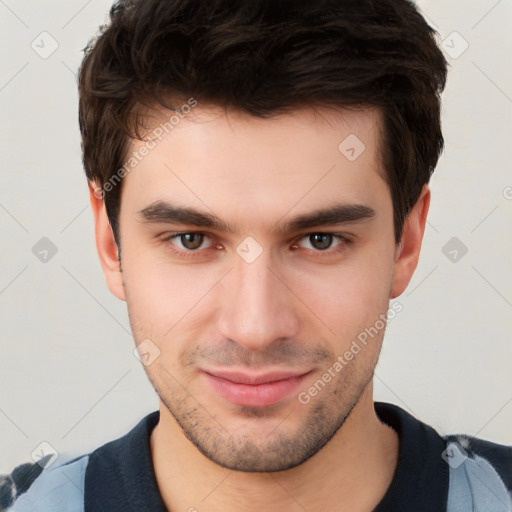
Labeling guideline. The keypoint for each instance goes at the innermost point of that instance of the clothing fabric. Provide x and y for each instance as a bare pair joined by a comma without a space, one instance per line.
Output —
455,473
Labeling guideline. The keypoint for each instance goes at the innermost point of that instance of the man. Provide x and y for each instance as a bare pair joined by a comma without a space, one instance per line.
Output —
258,174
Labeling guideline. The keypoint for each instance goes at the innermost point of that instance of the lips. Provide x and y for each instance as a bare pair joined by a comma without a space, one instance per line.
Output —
254,390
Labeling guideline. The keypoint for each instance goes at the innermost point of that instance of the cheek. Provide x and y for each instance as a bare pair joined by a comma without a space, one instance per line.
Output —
162,294
351,296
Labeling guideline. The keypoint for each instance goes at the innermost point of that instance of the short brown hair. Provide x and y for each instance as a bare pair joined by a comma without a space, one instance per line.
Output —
266,57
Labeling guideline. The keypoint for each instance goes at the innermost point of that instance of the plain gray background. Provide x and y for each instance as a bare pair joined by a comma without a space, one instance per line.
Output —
68,376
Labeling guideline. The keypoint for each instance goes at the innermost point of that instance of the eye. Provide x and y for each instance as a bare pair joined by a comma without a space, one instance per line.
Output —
187,242
321,242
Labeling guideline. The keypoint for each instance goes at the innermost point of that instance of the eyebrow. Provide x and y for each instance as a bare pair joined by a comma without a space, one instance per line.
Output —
164,212
332,215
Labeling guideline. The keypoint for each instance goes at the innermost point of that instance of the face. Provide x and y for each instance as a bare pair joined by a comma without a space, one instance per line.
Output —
254,253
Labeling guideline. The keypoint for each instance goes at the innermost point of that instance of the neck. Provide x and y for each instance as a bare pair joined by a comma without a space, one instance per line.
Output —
351,473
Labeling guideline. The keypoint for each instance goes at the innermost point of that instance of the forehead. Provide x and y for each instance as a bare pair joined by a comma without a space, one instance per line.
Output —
212,156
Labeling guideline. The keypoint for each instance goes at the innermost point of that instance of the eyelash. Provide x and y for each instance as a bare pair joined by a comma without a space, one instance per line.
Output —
190,254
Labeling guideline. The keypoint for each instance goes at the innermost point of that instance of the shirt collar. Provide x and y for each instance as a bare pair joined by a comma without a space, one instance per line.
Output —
120,475
421,478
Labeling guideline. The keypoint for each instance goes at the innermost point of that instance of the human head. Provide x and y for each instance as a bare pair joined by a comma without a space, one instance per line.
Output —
264,57
255,147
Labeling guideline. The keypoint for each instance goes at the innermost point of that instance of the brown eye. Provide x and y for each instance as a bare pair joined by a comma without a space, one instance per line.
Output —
190,245
321,241
191,241
324,244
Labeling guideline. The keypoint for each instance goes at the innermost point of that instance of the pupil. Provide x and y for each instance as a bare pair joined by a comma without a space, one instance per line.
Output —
188,240
321,240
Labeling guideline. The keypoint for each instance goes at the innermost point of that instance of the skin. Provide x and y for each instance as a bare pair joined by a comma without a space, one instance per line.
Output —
297,306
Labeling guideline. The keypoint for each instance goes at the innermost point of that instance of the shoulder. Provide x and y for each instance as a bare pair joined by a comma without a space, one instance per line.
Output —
111,471
29,487
480,474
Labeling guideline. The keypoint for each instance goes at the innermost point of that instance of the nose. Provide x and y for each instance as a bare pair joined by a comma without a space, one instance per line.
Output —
257,306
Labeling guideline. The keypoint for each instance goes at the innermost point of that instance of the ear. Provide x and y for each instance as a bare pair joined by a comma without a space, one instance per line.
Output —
408,250
105,243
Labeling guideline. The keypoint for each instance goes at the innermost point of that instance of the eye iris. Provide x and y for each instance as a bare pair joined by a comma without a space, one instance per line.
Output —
192,240
321,240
